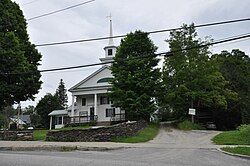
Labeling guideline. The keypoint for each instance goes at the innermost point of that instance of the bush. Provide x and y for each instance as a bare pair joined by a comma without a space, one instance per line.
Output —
39,135
227,120
187,125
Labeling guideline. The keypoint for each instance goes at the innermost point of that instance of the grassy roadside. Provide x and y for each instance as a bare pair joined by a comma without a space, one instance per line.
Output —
237,150
241,136
39,135
144,135
73,128
236,137
187,125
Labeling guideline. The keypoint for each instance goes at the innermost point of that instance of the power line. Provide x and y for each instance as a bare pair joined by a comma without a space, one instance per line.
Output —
150,32
57,11
166,54
24,4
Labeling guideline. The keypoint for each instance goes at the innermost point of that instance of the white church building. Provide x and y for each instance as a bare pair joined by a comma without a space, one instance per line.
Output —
90,101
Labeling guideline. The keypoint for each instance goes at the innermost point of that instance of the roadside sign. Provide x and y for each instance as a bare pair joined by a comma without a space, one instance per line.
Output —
191,111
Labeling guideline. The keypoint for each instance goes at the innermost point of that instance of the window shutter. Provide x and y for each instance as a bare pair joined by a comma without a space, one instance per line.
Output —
106,112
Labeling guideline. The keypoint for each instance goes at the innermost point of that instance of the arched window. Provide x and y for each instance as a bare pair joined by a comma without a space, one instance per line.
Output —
102,80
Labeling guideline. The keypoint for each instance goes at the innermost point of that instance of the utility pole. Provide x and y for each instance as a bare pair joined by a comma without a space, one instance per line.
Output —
18,114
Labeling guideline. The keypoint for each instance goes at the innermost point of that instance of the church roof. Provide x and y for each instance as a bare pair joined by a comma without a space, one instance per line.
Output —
77,86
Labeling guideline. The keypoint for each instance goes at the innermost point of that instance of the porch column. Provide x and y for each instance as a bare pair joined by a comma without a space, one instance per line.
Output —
62,120
73,106
95,102
50,124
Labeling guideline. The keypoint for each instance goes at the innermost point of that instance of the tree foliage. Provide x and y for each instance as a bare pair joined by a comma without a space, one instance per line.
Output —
46,105
191,79
17,55
235,67
29,110
61,93
136,78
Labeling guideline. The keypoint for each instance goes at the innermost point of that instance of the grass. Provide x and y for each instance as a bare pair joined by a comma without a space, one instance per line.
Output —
39,135
236,137
238,150
73,128
187,125
144,135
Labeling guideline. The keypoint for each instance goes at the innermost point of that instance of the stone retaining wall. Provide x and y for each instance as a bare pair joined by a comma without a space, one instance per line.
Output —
16,135
98,134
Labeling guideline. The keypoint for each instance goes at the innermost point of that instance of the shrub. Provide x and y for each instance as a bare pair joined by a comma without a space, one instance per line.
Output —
187,125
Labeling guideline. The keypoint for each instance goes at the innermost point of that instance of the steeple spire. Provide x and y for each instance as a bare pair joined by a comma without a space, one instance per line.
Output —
110,49
111,41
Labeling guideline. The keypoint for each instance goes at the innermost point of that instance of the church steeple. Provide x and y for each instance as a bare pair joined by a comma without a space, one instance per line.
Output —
111,41
110,50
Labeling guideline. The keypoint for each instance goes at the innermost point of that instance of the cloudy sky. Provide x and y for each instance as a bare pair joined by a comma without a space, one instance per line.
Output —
89,21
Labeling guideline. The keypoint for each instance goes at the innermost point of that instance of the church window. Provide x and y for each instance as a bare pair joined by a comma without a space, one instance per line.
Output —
83,101
110,52
104,100
106,79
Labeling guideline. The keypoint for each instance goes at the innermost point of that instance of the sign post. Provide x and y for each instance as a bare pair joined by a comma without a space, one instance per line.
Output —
192,112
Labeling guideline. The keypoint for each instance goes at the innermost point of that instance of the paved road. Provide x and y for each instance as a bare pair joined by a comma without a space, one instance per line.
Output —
175,148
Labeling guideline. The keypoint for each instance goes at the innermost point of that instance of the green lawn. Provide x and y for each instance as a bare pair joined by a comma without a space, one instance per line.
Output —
238,150
73,128
39,135
187,125
236,137
144,135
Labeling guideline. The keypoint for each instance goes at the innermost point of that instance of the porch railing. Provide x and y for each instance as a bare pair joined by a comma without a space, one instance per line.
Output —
118,117
83,119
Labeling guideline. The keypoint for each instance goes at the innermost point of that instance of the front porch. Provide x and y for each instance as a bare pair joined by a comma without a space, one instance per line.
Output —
95,107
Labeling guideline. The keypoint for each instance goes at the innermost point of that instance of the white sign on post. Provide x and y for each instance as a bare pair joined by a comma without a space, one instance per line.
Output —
191,111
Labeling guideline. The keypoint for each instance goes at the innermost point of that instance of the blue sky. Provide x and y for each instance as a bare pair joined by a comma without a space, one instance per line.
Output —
89,21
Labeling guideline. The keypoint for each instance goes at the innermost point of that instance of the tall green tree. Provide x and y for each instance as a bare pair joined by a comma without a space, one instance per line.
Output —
46,105
61,93
191,79
17,55
235,67
136,78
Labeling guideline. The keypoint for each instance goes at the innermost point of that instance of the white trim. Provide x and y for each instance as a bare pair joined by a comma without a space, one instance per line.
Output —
50,124
95,103
73,105
88,78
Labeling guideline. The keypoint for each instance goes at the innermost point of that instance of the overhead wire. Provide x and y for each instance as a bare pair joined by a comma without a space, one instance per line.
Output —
149,32
27,3
165,54
60,10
